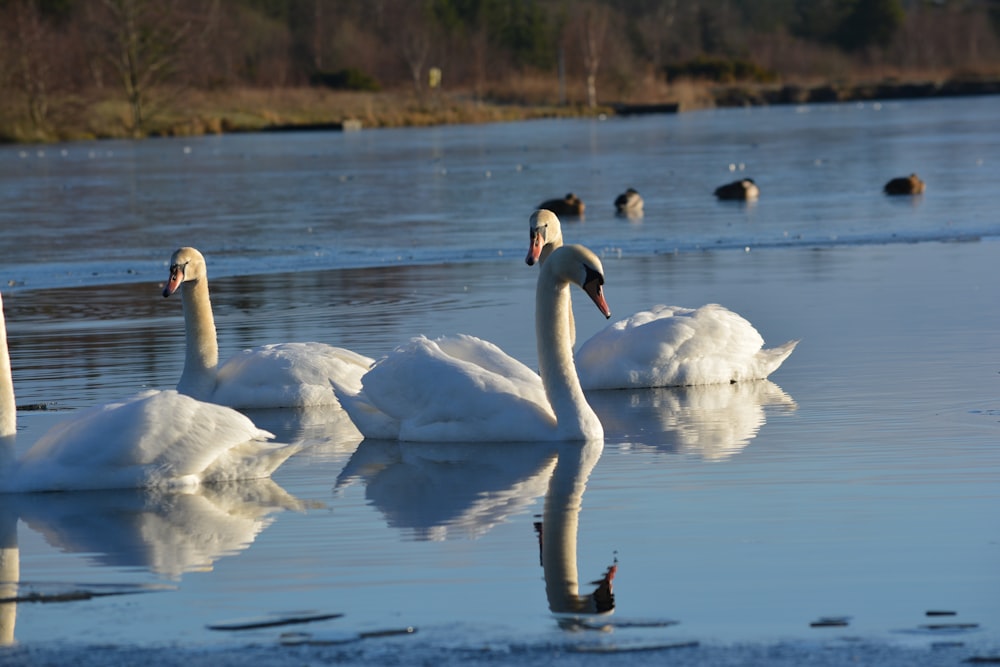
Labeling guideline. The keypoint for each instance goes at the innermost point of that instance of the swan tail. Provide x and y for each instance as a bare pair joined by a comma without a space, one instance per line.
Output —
251,460
368,419
770,359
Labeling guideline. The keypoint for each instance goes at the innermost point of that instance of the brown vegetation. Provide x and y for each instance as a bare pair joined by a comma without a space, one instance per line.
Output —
115,68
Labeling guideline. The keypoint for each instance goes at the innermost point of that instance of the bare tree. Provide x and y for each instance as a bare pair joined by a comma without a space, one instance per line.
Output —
30,39
142,41
591,28
414,40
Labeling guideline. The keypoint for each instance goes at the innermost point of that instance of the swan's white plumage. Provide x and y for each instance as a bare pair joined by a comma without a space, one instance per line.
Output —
665,345
153,439
462,388
458,388
673,346
280,375
287,375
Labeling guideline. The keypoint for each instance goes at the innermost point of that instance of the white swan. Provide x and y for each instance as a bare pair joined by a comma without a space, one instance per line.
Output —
282,375
153,439
666,345
466,389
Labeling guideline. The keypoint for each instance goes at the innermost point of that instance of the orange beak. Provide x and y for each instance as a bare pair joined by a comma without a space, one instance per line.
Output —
534,248
595,291
175,280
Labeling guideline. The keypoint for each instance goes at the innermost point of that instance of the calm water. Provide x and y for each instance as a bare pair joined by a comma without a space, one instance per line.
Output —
860,484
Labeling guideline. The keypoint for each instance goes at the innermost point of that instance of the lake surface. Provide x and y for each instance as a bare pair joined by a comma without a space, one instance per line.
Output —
857,488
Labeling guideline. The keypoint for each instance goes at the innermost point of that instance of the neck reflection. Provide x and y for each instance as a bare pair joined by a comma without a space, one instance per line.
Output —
558,537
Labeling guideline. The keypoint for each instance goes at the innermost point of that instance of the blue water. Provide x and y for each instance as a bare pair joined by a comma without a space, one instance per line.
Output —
859,484
271,203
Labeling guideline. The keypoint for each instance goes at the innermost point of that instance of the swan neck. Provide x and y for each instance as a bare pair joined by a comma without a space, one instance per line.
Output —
201,345
8,405
575,418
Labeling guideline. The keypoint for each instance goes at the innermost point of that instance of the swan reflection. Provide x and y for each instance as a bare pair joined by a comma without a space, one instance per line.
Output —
438,490
713,422
558,535
443,491
10,573
166,533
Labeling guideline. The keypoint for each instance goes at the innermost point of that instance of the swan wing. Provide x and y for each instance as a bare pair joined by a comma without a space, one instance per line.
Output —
286,375
459,388
675,346
152,439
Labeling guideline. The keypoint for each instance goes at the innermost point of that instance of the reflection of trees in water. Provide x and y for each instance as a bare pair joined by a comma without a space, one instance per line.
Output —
713,422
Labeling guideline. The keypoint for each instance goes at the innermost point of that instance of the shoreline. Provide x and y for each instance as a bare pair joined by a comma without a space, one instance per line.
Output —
310,109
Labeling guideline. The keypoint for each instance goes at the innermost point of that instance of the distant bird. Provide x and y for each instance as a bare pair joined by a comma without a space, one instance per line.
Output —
744,189
905,185
629,203
570,205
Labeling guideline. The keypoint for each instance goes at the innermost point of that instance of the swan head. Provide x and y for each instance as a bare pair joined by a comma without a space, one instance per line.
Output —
186,264
578,264
545,234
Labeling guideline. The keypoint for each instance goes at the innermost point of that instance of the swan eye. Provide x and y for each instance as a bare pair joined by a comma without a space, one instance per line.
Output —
593,274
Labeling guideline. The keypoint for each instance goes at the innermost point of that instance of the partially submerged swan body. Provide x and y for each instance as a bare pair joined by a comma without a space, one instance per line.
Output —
742,190
905,185
568,206
159,439
281,375
665,345
464,389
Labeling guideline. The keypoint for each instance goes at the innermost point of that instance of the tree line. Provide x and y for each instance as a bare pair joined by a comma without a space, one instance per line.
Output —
56,55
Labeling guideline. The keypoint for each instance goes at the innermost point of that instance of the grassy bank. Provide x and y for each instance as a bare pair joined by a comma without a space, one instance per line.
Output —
252,110
174,113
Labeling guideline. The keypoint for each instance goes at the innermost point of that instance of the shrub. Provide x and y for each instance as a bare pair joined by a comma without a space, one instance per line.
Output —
719,70
345,79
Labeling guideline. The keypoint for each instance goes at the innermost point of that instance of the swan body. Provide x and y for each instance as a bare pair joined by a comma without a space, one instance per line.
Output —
744,189
905,185
665,345
668,346
629,203
153,439
281,375
465,389
568,206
